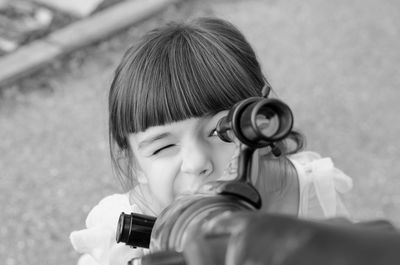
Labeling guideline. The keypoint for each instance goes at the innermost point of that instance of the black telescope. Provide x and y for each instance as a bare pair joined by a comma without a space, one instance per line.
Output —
222,223
257,122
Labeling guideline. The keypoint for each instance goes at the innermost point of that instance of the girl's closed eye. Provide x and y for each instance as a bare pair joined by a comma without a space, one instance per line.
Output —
163,149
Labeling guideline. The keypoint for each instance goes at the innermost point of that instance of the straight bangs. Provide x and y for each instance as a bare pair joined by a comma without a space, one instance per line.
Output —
185,73
181,71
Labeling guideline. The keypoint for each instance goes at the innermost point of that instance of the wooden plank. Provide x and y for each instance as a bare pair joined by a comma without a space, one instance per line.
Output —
32,57
26,60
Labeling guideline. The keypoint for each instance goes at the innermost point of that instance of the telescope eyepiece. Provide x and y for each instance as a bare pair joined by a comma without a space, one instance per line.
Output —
256,122
135,229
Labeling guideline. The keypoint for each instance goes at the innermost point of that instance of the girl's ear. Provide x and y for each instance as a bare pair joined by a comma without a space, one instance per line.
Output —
123,165
141,178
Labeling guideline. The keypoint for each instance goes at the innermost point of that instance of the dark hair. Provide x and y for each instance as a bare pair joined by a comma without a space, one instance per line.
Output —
179,71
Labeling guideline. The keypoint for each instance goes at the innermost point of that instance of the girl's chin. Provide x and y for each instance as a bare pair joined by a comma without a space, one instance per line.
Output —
162,205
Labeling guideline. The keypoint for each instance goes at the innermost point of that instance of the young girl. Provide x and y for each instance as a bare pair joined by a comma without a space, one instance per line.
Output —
168,94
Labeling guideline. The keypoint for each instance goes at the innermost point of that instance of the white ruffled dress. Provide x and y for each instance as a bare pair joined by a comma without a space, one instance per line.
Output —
321,185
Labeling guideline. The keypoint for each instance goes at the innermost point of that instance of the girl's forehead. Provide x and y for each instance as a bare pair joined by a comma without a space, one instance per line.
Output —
158,132
170,127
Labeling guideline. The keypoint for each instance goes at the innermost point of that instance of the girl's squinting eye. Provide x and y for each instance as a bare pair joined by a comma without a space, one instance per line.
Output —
162,149
213,132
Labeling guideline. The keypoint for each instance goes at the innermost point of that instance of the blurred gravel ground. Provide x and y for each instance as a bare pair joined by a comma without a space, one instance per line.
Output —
335,62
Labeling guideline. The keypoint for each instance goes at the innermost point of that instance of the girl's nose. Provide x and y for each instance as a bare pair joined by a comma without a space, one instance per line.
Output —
196,168
196,161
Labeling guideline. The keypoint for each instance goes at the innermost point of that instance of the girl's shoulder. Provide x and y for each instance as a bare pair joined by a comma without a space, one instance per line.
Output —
321,184
108,210
311,167
97,241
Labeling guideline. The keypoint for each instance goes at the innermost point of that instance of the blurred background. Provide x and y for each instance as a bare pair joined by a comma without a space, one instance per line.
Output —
336,63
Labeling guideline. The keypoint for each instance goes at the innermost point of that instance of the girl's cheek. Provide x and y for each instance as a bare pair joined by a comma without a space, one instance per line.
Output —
164,180
224,159
164,190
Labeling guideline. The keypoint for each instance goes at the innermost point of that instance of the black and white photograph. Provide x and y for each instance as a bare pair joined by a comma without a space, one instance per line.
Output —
199,132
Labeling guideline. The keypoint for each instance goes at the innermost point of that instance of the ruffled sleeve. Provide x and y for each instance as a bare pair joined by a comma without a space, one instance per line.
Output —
321,186
97,242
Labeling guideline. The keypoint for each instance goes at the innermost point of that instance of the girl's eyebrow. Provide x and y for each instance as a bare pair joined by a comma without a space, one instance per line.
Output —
146,142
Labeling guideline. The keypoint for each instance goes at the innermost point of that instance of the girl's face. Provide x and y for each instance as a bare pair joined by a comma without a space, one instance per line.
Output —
177,158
